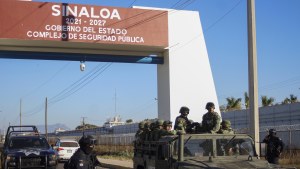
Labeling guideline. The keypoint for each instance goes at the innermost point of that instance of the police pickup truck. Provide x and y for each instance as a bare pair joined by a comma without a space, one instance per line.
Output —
191,151
24,147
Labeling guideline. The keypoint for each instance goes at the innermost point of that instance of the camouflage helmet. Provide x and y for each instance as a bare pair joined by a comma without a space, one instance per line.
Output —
167,123
159,123
226,123
183,109
147,124
152,125
210,105
142,124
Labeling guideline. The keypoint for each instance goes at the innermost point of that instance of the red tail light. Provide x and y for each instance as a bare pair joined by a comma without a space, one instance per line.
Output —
58,149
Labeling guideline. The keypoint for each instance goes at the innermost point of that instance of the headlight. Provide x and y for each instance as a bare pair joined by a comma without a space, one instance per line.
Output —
52,157
10,158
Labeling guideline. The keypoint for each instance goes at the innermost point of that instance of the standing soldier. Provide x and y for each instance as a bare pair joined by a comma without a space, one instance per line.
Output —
274,147
211,120
225,128
182,122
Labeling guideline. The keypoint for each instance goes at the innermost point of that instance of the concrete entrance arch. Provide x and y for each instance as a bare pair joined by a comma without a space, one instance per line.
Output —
169,38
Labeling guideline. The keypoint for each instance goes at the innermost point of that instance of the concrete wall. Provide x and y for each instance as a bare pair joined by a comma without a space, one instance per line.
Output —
288,114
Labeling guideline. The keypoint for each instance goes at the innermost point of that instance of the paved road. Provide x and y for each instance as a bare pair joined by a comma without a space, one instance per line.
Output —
61,166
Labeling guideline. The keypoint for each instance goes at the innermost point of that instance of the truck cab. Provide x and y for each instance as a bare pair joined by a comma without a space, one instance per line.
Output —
24,147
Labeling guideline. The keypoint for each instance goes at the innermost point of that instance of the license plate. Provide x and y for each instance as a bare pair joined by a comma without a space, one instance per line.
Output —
69,151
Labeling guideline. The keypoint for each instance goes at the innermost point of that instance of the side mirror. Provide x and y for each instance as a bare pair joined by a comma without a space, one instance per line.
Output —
262,148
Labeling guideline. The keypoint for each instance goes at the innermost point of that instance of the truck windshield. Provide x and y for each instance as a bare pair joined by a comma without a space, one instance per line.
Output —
28,142
231,146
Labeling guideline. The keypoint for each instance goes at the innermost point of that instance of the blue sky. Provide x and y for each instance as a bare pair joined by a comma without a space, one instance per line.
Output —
224,24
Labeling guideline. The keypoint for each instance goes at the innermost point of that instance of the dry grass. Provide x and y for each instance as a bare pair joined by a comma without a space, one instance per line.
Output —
290,158
119,152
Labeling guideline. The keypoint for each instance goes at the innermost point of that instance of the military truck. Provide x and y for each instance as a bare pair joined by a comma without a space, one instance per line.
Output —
226,151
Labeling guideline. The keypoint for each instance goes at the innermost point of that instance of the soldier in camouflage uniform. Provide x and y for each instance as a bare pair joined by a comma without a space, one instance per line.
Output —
167,130
182,122
225,128
146,131
139,132
211,120
155,133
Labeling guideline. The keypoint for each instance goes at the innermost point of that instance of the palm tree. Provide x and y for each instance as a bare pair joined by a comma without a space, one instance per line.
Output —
246,100
233,104
265,101
286,101
292,99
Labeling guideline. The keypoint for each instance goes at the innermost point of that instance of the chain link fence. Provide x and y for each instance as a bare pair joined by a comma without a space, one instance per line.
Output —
290,134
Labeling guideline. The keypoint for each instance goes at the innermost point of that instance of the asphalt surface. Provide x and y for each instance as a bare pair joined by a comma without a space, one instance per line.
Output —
61,166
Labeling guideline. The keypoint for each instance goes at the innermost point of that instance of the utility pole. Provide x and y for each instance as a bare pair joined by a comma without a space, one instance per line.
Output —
115,102
83,124
252,70
46,116
20,112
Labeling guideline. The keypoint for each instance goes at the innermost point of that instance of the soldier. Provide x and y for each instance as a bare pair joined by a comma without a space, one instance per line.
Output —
155,133
211,120
146,131
274,147
140,131
182,122
225,128
167,129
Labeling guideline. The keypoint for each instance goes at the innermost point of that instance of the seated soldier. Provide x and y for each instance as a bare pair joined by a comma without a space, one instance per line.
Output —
211,120
225,128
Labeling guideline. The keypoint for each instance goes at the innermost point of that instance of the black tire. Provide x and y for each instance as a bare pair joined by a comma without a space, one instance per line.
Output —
54,167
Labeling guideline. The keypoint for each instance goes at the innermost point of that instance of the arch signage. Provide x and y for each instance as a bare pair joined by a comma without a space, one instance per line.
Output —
60,31
83,23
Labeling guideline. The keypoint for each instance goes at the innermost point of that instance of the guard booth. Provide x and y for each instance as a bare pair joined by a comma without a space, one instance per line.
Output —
172,39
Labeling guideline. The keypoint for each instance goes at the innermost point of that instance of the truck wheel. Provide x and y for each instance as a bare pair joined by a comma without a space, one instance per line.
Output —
140,167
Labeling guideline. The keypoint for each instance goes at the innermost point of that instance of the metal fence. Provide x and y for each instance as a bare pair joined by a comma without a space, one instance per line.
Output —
290,134
102,139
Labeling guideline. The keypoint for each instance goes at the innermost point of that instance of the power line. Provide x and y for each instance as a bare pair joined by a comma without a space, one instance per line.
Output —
132,3
47,81
76,84
211,26
222,17
80,86
66,92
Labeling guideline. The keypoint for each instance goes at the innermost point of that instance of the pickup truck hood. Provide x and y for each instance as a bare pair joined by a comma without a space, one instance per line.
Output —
225,163
31,152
